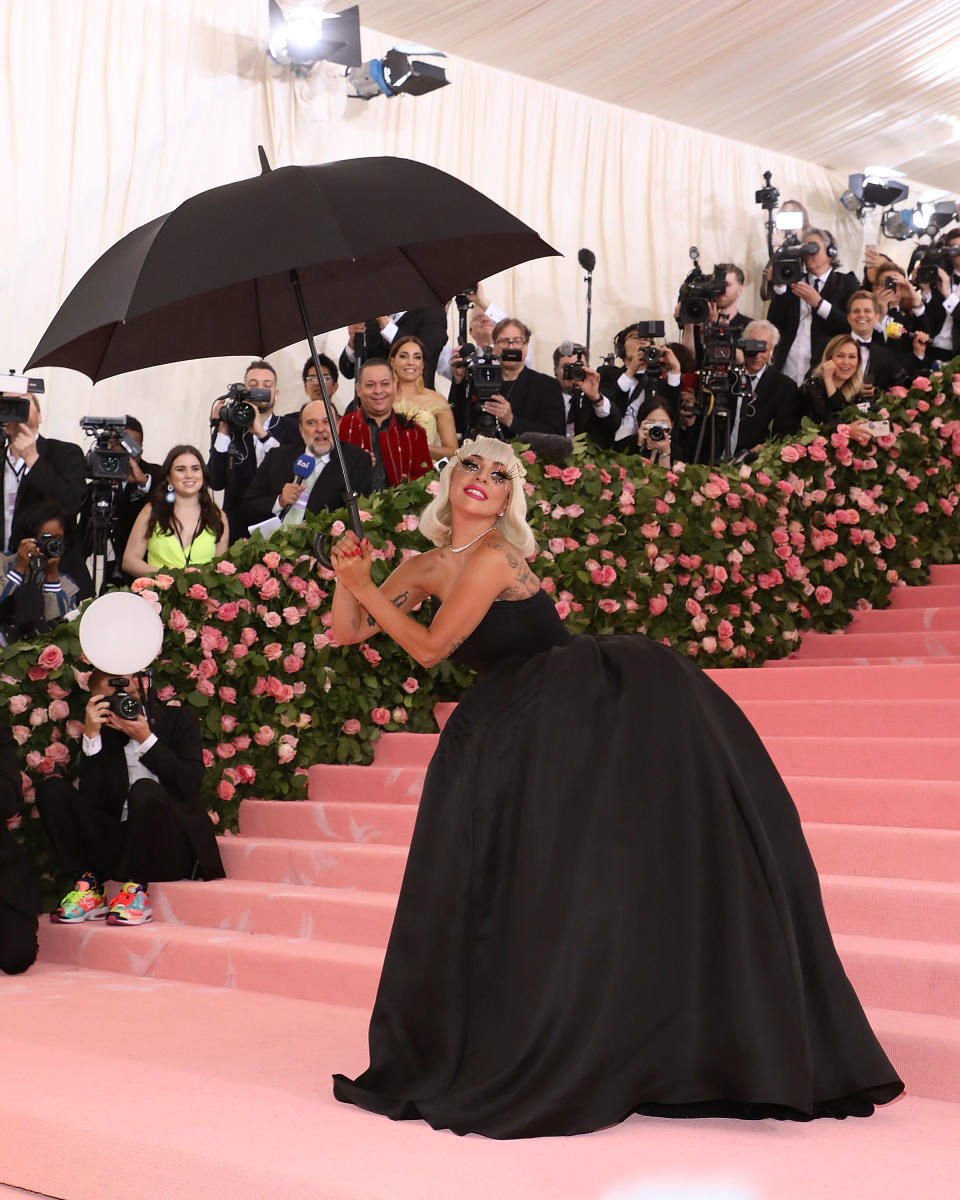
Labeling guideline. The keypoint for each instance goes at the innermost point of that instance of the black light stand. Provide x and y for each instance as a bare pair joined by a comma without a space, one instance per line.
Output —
588,260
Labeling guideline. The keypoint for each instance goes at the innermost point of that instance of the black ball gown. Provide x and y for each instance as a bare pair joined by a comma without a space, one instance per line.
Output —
608,908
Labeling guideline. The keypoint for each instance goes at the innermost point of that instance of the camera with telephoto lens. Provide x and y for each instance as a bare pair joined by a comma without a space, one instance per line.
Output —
699,291
109,456
51,545
788,264
124,704
15,405
240,408
484,380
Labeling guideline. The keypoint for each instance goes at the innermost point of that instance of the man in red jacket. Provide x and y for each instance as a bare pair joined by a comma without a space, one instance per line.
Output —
397,446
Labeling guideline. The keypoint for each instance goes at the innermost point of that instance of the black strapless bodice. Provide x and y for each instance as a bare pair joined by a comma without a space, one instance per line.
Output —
512,629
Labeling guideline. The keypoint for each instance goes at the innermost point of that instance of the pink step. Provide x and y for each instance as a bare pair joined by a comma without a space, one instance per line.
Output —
892,908
404,749
842,717
442,713
331,972
867,757
948,573
942,644
890,853
395,784
336,821
946,595
900,973
920,803
287,910
924,1048
329,864
870,660
905,620
809,681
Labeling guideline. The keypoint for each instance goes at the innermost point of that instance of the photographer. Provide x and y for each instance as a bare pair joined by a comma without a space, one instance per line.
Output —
655,422
485,316
942,298
648,371
36,468
136,813
587,409
528,402
34,595
724,310
904,319
236,452
19,891
808,313
373,338
769,405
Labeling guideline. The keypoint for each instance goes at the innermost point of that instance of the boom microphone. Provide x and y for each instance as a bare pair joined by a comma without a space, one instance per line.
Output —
587,259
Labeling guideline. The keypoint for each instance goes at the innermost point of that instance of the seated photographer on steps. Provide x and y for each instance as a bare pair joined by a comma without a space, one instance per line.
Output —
135,813
34,595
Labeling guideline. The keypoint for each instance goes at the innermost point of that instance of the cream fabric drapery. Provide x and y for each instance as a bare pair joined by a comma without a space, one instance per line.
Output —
114,111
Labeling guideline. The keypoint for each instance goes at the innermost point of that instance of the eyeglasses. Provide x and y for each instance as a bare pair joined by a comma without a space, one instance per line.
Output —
313,379
514,341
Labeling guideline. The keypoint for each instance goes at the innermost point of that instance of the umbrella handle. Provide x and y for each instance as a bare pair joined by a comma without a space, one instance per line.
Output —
322,540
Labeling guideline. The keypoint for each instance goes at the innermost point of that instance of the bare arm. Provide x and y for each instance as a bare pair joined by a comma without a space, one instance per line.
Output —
351,621
135,553
446,431
490,573
223,541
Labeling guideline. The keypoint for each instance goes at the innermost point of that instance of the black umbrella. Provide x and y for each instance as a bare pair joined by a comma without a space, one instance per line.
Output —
259,264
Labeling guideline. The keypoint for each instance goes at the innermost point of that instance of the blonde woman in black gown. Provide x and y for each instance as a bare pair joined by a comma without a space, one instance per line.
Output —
608,905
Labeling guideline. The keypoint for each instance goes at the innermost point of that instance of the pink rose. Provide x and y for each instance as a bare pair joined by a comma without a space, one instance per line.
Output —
19,704
725,630
604,576
380,716
196,591
410,685
228,695
921,384
21,734
54,690
270,590
351,726
400,715
372,656
38,716
823,595
207,758
207,668
271,560
258,574
709,644
163,582
273,651
570,475
50,658
225,790
227,723
225,750
272,620
789,454
226,568
241,743
248,636
656,605
609,605
281,692
177,621
264,735
228,611
206,688
240,651
292,664
287,753
563,609
556,545
59,710
292,614
246,773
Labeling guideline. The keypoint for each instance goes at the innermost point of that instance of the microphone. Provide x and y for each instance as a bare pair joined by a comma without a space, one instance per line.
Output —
587,259
303,467
566,348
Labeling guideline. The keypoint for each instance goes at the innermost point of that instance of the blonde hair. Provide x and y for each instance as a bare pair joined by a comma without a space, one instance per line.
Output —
435,521
854,384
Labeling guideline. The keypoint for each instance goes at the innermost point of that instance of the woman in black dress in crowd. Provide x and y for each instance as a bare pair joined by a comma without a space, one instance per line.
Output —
608,905
834,383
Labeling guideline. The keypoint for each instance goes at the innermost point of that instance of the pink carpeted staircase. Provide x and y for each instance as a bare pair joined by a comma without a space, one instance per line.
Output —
865,726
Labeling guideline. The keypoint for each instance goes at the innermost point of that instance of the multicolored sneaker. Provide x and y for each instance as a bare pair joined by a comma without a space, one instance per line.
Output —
87,902
130,906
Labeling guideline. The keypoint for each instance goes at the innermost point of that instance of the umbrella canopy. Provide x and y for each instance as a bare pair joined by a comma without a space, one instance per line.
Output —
367,236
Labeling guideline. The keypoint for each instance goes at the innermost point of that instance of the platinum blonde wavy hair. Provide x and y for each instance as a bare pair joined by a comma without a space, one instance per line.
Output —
435,520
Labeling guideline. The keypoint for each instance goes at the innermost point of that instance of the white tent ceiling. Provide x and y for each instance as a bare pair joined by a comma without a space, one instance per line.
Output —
843,83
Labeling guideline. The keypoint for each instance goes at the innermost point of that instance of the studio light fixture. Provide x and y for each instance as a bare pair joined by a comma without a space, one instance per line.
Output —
397,74
306,34
874,187
925,220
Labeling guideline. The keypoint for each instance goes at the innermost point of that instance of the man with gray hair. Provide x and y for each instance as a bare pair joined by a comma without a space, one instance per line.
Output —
769,404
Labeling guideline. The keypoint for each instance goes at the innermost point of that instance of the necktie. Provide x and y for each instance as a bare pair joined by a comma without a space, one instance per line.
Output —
818,283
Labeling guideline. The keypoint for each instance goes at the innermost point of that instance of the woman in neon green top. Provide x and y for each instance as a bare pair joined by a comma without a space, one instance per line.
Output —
181,526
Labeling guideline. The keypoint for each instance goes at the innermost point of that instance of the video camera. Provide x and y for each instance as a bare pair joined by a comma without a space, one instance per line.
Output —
788,264
698,291
483,378
934,259
16,407
241,407
109,457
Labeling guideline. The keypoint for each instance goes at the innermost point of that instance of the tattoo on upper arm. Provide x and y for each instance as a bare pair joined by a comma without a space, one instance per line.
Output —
525,583
455,646
371,621
400,600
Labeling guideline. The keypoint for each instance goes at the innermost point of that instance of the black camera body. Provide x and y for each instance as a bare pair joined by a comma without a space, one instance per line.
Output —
719,348
16,405
575,372
788,264
935,259
752,346
698,291
109,456
51,545
650,329
241,406
124,704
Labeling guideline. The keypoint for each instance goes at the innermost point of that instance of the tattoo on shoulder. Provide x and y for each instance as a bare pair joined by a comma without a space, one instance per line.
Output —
524,582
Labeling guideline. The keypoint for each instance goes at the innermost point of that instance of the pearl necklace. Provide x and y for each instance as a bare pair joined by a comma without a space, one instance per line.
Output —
460,549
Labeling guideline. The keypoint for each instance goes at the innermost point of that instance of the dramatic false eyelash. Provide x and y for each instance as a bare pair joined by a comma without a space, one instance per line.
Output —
500,477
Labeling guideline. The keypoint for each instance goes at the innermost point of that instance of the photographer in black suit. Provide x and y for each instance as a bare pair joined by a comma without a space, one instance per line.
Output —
233,471
379,334
19,891
638,381
136,814
809,313
277,489
942,300
37,469
769,406
587,409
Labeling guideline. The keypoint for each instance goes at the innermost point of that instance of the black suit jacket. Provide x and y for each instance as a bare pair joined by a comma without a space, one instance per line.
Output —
428,324
536,400
128,501
784,312
327,493
177,761
600,430
886,368
59,474
774,412
236,480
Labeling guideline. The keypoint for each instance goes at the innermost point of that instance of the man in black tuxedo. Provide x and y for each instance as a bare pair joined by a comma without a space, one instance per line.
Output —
37,469
128,498
879,364
136,814
809,313
275,491
769,406
528,402
233,472
630,387
942,301
19,891
379,334
724,311
587,409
